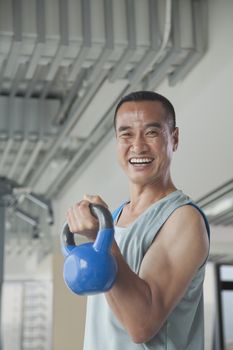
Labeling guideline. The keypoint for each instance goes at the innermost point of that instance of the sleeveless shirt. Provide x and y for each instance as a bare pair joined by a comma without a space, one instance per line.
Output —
184,328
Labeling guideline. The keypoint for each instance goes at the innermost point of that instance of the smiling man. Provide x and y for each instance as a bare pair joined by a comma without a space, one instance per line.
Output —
161,241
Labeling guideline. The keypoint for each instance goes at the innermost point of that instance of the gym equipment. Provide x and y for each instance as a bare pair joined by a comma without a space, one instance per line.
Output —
90,268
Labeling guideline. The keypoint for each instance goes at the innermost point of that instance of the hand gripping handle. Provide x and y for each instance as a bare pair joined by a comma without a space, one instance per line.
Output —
105,222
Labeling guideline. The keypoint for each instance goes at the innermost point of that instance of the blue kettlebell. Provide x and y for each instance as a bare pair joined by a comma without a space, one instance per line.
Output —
90,268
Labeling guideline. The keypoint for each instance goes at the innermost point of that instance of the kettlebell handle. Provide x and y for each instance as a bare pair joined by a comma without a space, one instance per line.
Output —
100,212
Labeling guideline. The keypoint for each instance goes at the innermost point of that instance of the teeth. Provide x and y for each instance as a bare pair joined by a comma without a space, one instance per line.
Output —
140,160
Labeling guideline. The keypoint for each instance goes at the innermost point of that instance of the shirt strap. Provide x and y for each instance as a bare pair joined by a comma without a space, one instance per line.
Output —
117,211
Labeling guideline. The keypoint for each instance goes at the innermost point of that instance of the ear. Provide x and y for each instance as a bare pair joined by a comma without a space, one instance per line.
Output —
175,135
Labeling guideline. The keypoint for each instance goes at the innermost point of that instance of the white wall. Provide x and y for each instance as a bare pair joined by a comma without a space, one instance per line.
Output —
204,106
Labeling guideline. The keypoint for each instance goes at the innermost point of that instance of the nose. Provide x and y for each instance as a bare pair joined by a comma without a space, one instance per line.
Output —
139,144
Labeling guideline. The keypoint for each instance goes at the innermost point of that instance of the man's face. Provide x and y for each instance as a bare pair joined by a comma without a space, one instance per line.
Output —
145,143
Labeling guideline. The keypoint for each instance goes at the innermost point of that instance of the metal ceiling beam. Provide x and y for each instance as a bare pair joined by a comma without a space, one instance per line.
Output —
213,198
12,61
86,45
221,218
147,61
17,79
34,72
109,42
55,63
213,195
119,71
63,17
39,47
31,161
17,19
74,115
2,69
78,64
216,197
33,63
40,21
6,152
200,37
67,103
45,89
61,49
21,151
107,50
31,220
160,70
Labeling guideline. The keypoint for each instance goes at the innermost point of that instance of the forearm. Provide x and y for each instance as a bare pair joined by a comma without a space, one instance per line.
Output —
131,301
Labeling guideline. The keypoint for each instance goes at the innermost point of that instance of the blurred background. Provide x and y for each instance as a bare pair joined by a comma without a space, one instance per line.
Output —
63,67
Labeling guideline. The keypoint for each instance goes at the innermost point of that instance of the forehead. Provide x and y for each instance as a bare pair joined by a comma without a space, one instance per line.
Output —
140,111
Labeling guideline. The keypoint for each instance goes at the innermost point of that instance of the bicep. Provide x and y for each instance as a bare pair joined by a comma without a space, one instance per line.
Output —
173,259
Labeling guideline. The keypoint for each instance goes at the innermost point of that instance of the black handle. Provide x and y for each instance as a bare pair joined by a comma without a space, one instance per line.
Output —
101,213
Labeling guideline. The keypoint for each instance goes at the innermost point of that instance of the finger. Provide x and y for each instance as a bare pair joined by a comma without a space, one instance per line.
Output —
95,200
84,216
71,220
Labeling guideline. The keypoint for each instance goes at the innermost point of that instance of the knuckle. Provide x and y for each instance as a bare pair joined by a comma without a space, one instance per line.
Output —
83,203
97,199
77,205
68,212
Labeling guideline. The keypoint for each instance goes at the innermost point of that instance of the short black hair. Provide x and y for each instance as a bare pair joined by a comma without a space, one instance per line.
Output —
138,96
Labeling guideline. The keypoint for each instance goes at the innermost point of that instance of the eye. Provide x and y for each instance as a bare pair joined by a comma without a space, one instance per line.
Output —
125,134
152,133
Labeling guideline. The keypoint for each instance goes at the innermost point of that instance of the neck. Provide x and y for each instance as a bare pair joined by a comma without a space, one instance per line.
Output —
142,196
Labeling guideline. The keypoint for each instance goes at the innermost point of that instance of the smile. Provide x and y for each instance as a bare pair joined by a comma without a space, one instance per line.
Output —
141,160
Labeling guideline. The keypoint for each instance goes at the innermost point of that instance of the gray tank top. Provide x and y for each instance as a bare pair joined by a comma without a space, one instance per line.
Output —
184,329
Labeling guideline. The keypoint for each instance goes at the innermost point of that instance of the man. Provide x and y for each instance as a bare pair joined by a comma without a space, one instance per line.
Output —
161,241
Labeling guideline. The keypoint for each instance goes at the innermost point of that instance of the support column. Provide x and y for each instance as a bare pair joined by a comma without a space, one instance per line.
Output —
68,309
2,240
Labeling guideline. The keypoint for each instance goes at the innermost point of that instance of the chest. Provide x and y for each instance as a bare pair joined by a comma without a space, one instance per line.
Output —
127,217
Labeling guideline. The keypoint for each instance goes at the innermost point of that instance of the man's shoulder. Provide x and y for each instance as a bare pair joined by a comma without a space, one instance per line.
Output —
186,216
187,225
